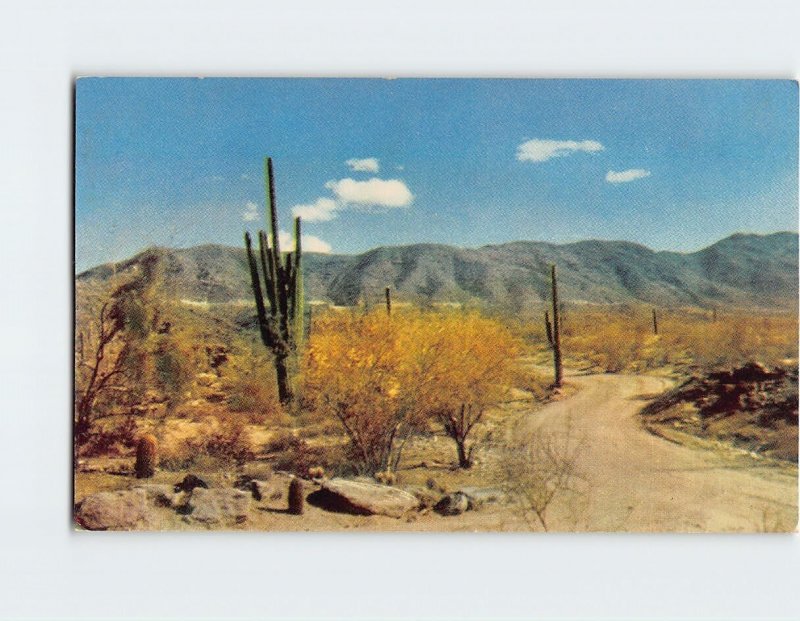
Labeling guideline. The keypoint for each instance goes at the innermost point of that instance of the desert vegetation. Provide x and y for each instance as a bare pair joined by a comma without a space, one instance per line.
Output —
394,404
385,378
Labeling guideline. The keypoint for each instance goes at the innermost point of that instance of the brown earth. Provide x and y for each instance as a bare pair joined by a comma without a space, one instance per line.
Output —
637,481
631,480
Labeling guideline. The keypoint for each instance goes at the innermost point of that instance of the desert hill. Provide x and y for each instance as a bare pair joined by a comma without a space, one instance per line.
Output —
744,270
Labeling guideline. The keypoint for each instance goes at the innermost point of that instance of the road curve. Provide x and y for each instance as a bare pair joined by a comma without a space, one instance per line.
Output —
636,481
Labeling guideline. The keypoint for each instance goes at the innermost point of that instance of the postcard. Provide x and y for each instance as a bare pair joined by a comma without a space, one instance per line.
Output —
436,305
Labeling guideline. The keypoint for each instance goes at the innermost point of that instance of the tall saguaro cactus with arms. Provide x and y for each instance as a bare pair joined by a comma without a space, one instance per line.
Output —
279,303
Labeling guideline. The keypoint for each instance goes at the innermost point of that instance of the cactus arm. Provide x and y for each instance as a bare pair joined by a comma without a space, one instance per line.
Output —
257,294
266,268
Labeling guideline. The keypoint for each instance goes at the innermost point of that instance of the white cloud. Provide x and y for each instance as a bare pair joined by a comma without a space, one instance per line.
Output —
245,177
372,193
322,210
311,243
251,212
625,176
368,164
538,150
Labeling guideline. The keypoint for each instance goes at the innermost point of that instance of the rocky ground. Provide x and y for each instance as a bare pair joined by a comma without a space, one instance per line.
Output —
264,504
630,478
751,407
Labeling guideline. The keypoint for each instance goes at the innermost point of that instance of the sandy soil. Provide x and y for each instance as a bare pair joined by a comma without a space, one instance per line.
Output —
631,480
636,481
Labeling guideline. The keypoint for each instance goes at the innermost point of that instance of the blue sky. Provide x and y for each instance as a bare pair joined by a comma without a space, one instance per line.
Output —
675,165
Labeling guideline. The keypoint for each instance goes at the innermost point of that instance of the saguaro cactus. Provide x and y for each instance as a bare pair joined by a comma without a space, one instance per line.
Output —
388,301
548,328
281,326
655,323
559,372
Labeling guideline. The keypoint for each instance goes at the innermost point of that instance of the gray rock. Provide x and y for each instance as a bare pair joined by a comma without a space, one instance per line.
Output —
160,495
120,510
275,488
363,498
213,506
453,504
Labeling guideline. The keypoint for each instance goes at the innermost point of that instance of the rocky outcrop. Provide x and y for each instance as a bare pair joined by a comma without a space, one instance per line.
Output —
752,406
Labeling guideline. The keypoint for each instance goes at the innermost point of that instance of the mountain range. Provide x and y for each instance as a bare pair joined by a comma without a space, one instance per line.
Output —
743,270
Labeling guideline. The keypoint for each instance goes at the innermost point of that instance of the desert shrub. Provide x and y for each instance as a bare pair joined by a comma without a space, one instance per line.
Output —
224,442
250,383
532,381
613,339
620,338
110,440
462,365
294,454
356,370
230,441
539,471
734,339
384,379
173,368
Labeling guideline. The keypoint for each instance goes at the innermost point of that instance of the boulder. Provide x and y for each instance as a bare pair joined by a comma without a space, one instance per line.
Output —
120,510
361,498
213,506
453,504
274,488
160,495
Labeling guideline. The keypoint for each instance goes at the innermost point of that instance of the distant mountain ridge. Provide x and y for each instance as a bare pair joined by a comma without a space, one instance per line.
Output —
743,270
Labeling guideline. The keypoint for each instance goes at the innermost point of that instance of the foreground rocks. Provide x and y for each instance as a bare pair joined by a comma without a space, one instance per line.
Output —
155,506
192,501
361,498
120,510
218,506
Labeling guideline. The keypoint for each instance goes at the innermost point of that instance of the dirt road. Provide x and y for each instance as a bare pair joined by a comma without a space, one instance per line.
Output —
635,481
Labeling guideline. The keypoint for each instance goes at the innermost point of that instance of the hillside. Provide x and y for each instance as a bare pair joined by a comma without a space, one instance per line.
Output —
743,270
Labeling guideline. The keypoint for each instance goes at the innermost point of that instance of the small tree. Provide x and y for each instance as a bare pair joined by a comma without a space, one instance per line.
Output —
386,378
100,359
119,352
463,364
356,370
